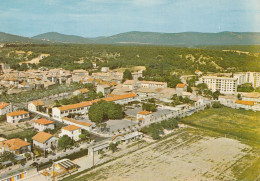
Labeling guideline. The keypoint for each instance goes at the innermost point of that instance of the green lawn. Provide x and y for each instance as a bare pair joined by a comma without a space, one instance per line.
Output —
27,133
239,123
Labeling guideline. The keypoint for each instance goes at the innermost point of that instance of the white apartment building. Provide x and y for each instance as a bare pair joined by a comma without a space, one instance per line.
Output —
224,85
254,78
248,77
241,78
5,108
72,131
15,117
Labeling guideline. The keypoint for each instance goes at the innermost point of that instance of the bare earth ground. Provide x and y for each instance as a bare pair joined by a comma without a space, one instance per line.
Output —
191,154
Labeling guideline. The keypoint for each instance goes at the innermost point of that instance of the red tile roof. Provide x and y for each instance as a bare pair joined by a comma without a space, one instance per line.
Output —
180,85
71,128
84,90
144,112
78,105
14,144
44,121
42,137
3,105
250,103
77,122
21,112
38,103
89,103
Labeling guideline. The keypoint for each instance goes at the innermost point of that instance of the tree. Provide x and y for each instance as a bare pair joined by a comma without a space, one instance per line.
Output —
239,97
202,86
7,156
216,95
82,137
127,75
65,142
149,107
113,147
27,156
100,94
104,110
189,89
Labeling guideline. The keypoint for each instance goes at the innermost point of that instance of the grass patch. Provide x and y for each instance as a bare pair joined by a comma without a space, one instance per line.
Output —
27,133
238,123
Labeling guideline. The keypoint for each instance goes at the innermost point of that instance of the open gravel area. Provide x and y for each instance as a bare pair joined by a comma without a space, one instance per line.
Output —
188,155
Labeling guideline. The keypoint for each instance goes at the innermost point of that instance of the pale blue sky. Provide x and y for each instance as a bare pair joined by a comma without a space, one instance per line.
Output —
90,18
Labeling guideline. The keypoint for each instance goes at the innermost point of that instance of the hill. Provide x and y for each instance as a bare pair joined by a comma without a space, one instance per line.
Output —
9,38
182,39
61,38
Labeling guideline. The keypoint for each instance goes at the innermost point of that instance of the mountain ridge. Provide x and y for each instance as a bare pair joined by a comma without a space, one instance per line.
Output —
138,37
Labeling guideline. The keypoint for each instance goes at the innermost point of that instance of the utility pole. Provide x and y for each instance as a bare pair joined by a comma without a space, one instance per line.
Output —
53,171
93,157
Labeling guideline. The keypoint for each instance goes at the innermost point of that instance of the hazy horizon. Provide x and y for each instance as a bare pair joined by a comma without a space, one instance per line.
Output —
94,18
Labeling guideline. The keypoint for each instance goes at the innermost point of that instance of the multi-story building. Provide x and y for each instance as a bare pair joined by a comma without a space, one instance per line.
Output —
43,124
45,140
254,78
83,107
15,117
224,85
248,77
241,78
72,131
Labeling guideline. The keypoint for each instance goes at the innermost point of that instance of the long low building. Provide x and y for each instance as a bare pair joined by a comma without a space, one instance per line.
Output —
83,107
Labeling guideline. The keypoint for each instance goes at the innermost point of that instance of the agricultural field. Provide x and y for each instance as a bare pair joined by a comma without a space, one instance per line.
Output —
238,123
189,154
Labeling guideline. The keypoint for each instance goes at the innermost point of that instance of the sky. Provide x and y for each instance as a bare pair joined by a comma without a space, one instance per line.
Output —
92,18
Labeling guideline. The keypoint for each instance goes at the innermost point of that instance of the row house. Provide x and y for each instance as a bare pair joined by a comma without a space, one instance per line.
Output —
252,96
86,125
79,108
122,99
152,84
248,105
15,117
83,107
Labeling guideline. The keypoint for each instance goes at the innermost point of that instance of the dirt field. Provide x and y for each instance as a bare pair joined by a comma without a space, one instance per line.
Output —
191,154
